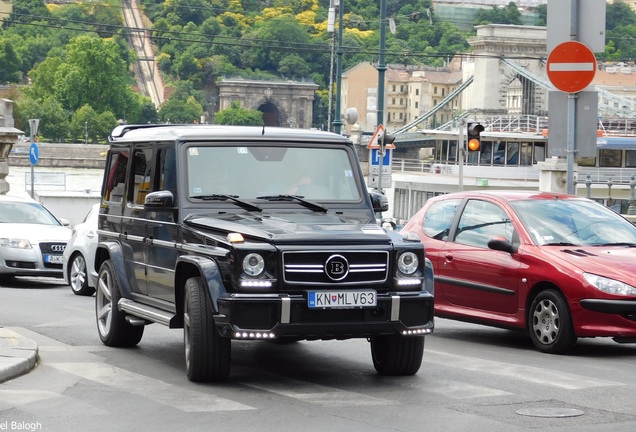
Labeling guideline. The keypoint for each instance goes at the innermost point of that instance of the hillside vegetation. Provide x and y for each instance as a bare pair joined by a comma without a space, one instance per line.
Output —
78,64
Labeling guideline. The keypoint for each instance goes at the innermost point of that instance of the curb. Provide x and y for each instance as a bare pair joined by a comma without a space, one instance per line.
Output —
18,355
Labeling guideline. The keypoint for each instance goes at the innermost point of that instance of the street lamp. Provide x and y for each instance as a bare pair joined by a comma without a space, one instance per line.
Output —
85,132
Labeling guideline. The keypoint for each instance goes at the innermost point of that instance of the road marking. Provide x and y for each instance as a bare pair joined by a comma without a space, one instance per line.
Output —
314,393
461,390
159,391
526,373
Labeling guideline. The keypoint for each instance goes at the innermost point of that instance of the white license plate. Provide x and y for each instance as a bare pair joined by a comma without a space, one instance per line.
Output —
53,259
341,299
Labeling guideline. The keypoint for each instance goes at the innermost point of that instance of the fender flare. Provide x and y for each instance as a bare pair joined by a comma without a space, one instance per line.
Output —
113,251
210,274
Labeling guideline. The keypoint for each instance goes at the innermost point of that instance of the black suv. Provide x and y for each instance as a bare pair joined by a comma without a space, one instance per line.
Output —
251,233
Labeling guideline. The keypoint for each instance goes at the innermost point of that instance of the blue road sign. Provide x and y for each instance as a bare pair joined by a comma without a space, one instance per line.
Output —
34,153
375,157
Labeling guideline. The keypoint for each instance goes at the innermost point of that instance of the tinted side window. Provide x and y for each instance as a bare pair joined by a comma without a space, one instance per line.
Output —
480,221
439,218
141,179
115,185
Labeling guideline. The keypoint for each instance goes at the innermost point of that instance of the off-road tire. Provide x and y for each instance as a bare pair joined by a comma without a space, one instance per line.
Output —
397,355
207,354
112,326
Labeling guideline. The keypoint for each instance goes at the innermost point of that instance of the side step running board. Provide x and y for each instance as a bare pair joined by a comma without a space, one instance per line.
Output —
146,312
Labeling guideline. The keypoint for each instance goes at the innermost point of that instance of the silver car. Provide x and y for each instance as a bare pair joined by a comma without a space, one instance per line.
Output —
79,256
32,240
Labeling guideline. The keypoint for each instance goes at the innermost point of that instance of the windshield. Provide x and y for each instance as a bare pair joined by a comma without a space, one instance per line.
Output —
574,222
25,213
261,172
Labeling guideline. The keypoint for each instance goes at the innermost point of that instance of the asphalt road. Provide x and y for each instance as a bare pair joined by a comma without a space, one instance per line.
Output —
473,378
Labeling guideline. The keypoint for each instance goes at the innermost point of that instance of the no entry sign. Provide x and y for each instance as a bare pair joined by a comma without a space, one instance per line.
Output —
571,66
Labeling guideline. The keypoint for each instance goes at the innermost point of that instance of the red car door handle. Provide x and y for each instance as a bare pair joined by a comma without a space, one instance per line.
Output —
449,257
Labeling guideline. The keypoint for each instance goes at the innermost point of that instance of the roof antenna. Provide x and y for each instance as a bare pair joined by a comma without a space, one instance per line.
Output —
263,132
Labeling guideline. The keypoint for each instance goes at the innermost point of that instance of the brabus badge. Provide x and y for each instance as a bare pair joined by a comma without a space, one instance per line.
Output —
337,267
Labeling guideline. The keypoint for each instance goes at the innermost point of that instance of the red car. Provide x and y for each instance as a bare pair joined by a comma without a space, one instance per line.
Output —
559,266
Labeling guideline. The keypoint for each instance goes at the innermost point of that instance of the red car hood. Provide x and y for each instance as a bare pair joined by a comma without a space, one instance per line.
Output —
616,262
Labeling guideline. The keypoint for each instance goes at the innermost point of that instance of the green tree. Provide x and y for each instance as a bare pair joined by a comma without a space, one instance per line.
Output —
277,38
496,15
294,66
54,120
236,115
26,11
83,125
176,110
148,112
106,122
94,74
9,63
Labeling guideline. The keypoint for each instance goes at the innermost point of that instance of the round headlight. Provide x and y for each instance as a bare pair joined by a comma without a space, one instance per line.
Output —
253,264
407,263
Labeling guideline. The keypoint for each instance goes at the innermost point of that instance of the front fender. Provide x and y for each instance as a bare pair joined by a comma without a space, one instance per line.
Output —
111,250
429,277
210,275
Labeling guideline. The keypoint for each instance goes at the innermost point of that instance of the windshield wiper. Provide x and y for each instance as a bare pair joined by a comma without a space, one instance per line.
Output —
618,244
223,197
283,197
559,244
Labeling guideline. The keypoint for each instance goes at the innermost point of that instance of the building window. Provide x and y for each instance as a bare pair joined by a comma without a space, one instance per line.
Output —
401,101
393,87
417,92
435,90
630,158
417,105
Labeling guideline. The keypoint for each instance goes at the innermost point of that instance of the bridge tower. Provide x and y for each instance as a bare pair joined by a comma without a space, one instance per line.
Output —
499,89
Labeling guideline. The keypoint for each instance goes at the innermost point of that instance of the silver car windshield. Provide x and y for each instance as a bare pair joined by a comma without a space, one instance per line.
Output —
324,174
26,213
574,222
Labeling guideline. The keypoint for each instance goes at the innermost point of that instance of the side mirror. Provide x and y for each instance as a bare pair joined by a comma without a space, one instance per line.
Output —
64,222
501,244
159,200
380,202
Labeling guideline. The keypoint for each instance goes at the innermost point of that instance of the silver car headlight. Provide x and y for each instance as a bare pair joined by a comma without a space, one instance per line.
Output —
253,264
15,243
408,263
609,286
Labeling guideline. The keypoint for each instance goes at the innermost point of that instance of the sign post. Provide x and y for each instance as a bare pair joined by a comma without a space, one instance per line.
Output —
571,67
34,153
378,142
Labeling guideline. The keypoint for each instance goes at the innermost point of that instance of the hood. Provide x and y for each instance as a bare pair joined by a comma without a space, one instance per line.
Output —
616,262
35,233
295,227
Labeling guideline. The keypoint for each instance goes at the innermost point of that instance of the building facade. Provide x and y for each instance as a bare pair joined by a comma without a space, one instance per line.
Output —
410,92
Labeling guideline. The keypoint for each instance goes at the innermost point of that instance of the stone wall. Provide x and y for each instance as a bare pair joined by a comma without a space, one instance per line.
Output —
60,155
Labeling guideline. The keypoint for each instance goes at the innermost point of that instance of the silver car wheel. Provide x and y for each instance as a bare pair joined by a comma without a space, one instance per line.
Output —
546,322
78,273
104,303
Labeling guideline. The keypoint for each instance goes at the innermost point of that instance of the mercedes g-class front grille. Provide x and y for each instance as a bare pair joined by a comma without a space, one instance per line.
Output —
340,267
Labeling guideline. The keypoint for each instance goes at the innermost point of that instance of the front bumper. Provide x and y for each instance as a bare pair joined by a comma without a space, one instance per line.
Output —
28,262
621,307
249,316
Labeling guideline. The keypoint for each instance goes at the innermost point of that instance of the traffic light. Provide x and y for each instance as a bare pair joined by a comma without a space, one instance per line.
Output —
385,140
473,141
